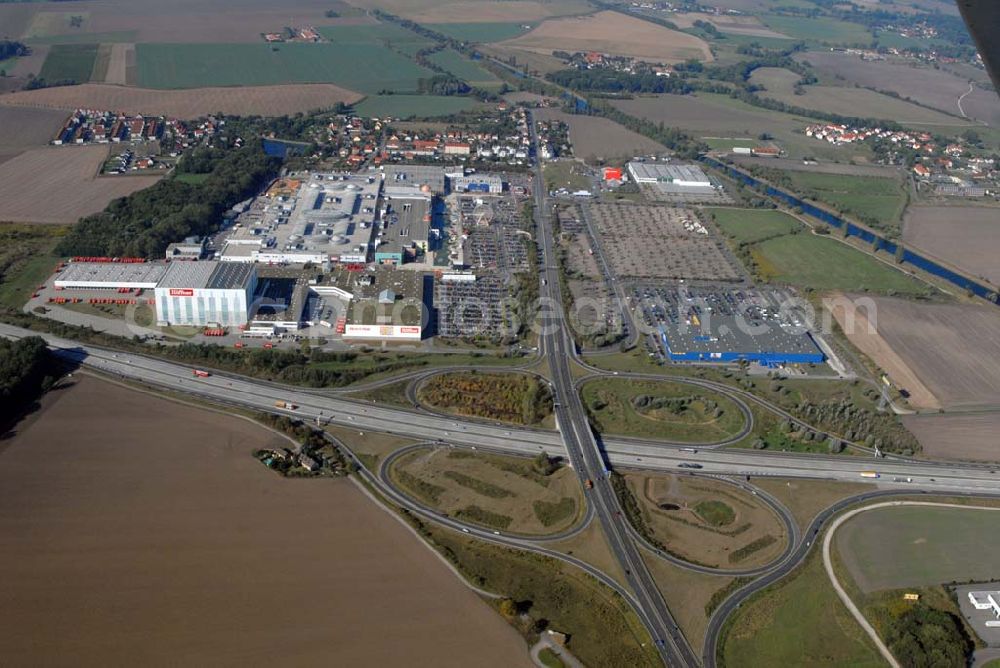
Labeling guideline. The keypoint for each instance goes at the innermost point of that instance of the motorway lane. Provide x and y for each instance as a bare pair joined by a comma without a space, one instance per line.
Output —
584,452
249,393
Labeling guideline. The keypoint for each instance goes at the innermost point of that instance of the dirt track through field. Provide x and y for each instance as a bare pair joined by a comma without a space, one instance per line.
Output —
136,531
187,104
117,66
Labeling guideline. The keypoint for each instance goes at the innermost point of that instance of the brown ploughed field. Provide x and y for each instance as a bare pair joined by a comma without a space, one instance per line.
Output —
137,531
23,129
958,435
966,236
59,184
944,355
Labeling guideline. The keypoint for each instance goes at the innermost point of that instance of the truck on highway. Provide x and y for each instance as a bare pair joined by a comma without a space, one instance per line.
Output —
285,404
870,474
201,374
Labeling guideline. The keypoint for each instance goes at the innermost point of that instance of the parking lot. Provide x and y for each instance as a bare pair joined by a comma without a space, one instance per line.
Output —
661,242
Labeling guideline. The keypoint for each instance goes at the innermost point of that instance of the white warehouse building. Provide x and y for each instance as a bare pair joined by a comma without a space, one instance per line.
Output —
205,294
690,176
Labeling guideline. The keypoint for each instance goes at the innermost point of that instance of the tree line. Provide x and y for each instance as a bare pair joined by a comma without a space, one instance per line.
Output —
144,223
26,371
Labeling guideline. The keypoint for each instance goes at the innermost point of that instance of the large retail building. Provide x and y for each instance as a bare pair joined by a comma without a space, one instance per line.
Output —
205,293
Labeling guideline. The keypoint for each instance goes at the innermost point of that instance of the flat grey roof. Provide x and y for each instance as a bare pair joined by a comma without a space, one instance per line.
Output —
229,276
187,275
670,171
415,175
714,320
111,272
412,222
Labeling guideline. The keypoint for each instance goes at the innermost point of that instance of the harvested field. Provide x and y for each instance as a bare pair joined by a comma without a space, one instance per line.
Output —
260,100
15,19
613,33
512,494
944,355
117,71
966,236
186,21
957,436
780,85
707,114
891,548
736,25
707,522
478,11
192,564
935,88
644,241
22,129
594,137
28,185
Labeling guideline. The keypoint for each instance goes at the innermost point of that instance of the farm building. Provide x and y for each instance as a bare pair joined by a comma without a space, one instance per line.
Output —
205,293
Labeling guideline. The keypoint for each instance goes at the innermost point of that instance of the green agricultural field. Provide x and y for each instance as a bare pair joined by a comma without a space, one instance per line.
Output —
912,546
825,30
414,106
69,62
797,622
379,33
879,201
722,144
197,65
807,260
121,36
687,414
482,33
464,69
753,225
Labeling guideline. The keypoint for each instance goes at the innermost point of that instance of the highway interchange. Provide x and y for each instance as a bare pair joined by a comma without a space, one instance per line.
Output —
590,455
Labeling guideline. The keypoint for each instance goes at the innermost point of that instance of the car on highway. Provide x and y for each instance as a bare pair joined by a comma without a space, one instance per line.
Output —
690,465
